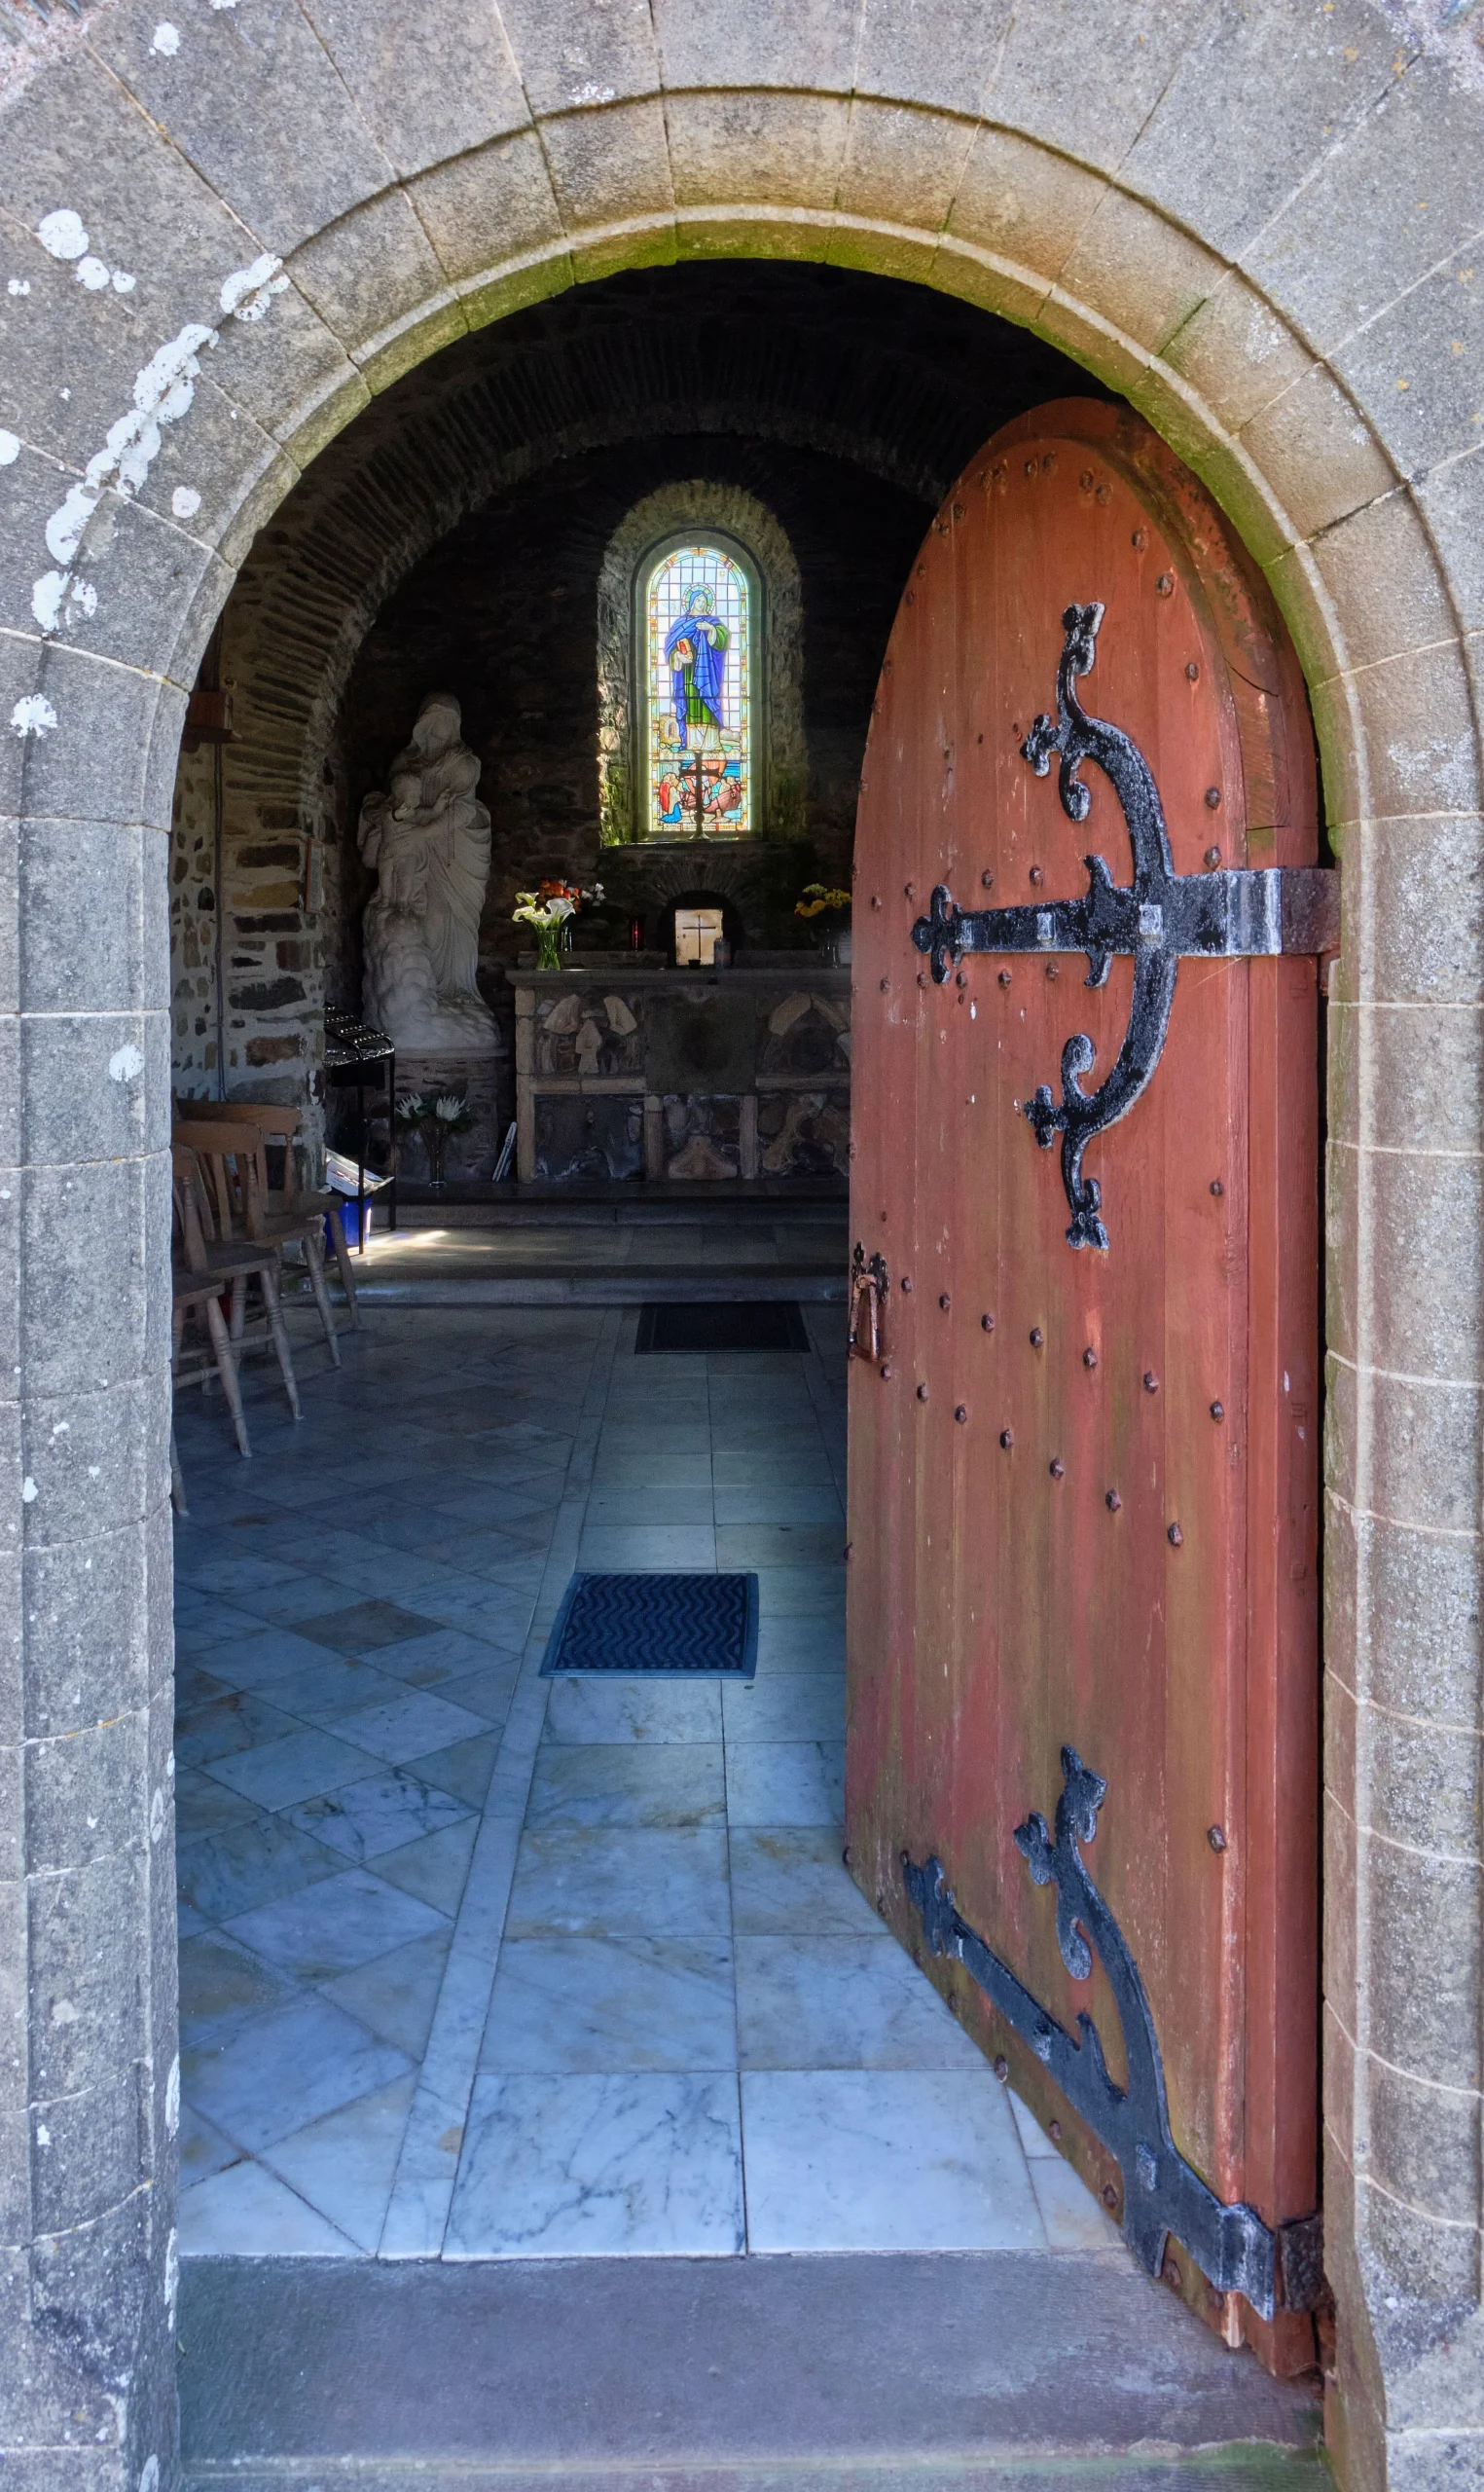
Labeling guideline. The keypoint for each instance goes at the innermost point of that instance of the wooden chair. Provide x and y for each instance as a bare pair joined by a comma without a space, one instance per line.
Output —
279,1127
205,1270
230,1153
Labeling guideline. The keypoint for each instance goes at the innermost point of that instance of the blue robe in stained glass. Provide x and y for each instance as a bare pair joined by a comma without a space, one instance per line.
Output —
697,685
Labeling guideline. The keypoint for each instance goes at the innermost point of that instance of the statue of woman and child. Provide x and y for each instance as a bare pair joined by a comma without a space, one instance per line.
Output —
427,840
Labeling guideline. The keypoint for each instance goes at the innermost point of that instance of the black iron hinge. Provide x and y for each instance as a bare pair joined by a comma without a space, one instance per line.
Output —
1160,918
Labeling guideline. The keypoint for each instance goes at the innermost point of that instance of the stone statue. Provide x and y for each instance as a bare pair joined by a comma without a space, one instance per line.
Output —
427,838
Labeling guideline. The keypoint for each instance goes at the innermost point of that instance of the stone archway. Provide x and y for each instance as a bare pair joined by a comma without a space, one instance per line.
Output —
224,238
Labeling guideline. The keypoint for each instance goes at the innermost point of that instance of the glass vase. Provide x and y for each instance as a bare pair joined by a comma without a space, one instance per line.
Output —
548,947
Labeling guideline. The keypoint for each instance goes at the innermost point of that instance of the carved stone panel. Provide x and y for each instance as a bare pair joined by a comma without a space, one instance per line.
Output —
579,1138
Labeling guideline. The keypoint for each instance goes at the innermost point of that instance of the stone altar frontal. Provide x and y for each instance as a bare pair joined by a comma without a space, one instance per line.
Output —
628,1068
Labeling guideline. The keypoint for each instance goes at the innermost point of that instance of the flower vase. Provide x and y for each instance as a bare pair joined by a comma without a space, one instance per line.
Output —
548,947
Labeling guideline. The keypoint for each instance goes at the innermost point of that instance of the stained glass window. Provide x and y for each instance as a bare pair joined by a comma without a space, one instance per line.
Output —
698,612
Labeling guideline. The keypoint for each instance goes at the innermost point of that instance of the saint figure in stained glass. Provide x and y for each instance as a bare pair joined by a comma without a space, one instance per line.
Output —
696,648
697,669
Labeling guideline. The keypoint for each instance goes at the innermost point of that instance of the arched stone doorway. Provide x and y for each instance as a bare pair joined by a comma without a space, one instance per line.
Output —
1289,298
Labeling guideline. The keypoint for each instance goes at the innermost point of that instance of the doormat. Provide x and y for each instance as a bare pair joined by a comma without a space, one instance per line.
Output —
705,1625
745,1324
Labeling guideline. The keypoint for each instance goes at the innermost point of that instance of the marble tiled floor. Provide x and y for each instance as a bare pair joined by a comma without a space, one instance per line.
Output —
478,1964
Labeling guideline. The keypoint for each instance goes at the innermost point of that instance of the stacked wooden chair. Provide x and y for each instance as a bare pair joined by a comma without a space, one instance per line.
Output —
230,1153
205,1269
284,1206
232,1222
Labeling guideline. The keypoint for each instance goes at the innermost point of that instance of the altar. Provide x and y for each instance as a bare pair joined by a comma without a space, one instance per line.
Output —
628,1067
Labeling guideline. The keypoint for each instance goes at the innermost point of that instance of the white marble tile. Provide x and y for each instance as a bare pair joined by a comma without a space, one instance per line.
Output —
654,1710
204,1807
410,1726
785,1782
626,1439
793,1646
626,1548
843,2159
766,1466
1073,2218
625,1470
363,1820
246,2213
617,1786
432,1661
778,1545
223,1987
436,1867
1028,2128
202,2148
344,2164
486,1692
842,2003
465,1768
229,1872
599,1881
394,1997
210,1570
586,2005
785,1705
791,1882
335,1924
599,2165
285,2070
227,1726
799,1591
331,1684
257,1659
789,1504
647,1502
291,1769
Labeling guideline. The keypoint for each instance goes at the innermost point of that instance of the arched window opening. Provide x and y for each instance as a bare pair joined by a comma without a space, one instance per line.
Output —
699,673
697,630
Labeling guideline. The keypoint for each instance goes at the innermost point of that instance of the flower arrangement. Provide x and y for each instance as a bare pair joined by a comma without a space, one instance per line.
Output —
436,1120
818,899
548,910
825,900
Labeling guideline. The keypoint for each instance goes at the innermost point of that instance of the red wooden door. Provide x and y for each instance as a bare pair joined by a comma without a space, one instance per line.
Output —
1083,1482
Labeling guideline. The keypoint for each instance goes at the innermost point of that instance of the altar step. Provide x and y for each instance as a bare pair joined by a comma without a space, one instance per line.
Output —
599,1254
955,2373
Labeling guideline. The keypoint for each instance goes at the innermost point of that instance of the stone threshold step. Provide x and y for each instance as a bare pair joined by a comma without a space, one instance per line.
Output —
895,2373
1237,2467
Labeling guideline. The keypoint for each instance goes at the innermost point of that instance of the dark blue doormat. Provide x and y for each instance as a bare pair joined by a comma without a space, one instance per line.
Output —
720,1324
705,1625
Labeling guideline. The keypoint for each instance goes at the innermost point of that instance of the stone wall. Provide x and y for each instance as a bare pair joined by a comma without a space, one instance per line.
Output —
1260,225
194,1035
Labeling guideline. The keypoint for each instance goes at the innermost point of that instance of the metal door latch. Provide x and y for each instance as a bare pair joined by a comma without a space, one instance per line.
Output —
1160,918
1161,2193
869,1288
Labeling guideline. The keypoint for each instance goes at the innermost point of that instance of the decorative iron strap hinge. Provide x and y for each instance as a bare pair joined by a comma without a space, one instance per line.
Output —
1159,918
1161,2193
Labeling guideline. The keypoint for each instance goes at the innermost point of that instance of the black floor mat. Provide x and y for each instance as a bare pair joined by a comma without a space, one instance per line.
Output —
744,1324
703,1624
